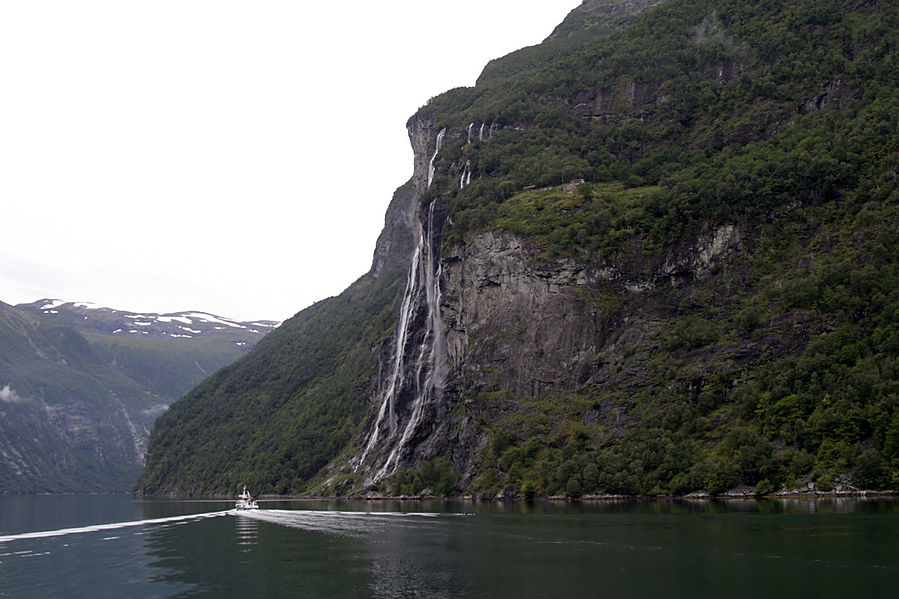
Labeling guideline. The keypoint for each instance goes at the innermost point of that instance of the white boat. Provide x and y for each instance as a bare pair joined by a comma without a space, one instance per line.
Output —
245,501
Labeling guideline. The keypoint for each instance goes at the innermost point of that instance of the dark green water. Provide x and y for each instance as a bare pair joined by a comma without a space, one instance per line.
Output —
801,548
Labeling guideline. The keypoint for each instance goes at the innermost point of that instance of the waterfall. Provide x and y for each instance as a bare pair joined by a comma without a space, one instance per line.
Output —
481,132
469,132
398,417
396,373
397,421
431,354
437,147
466,175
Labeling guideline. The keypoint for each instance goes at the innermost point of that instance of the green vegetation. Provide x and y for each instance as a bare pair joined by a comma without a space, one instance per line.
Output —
767,376
165,366
435,477
65,414
776,368
698,98
703,113
273,419
81,400
573,223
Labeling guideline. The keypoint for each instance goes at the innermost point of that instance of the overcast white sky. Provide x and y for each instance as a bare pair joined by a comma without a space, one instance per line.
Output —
234,157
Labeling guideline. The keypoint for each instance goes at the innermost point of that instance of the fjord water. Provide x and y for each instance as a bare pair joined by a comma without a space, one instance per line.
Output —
114,546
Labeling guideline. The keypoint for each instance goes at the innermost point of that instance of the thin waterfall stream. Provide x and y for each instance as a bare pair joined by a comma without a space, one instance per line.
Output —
423,377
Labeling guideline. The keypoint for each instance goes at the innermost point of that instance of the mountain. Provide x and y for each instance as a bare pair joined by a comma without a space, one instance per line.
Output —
655,254
166,353
81,385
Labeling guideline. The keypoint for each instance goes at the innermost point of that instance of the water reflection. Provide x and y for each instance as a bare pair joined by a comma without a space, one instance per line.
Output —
345,523
405,554
679,548
680,505
635,548
88,562
241,556
417,558
247,530
28,513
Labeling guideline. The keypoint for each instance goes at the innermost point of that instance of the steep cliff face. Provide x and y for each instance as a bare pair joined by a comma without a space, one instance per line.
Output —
277,418
491,314
396,242
537,326
526,329
412,370
649,255
573,344
516,322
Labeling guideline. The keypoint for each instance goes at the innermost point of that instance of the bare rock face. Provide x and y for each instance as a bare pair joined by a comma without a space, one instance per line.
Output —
696,259
396,242
528,322
508,322
626,99
531,327
422,136
835,95
527,328
494,317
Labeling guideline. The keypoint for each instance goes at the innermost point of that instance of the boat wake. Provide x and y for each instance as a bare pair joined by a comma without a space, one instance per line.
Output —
343,523
112,526
339,522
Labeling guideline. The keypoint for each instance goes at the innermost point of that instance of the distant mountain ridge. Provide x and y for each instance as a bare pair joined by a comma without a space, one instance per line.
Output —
167,353
80,387
90,317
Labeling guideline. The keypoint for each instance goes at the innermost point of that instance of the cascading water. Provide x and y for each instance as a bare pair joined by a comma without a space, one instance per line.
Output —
431,359
396,373
469,132
481,132
416,384
438,145
466,175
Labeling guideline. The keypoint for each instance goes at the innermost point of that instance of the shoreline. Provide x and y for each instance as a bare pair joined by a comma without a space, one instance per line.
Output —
585,498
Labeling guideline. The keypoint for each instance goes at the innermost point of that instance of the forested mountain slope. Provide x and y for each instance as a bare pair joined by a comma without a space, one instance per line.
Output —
80,387
655,254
